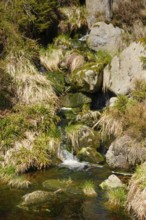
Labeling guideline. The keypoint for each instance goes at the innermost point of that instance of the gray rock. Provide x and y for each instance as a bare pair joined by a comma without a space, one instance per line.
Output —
125,153
105,37
101,9
120,76
112,182
112,101
35,198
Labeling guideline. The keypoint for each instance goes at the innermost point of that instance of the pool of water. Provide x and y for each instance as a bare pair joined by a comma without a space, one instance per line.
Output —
71,205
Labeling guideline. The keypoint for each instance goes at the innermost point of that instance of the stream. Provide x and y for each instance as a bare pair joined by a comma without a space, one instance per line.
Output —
69,204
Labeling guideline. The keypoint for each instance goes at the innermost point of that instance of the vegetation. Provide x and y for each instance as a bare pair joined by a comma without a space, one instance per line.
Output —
116,199
127,115
89,188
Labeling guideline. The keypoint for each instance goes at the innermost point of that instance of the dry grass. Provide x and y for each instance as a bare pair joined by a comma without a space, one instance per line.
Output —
76,133
111,123
35,89
31,87
136,204
51,58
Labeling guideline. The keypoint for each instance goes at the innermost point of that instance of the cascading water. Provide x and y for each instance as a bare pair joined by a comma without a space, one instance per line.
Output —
68,159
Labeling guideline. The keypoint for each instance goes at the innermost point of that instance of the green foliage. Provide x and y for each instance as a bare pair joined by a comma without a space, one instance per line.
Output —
139,92
127,115
33,17
140,176
58,81
7,90
116,198
103,57
8,175
35,118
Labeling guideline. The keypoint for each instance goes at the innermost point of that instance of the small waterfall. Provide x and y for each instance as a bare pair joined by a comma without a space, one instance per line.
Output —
68,159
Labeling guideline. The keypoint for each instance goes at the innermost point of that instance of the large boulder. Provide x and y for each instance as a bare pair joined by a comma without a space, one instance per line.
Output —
124,70
88,78
98,9
105,37
125,153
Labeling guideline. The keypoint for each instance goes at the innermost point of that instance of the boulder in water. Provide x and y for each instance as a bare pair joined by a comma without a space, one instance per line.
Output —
90,154
112,182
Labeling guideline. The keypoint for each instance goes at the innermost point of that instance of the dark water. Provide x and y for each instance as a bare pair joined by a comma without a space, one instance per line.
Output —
72,205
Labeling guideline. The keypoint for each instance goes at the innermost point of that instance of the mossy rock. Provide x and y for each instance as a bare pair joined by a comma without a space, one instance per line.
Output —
91,155
70,113
58,81
75,100
55,184
88,78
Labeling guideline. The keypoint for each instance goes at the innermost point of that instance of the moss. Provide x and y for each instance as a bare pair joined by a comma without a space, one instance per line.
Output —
74,100
82,136
82,81
90,154
35,118
58,81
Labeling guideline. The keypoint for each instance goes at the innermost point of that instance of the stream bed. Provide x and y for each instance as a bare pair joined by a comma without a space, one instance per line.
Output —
68,205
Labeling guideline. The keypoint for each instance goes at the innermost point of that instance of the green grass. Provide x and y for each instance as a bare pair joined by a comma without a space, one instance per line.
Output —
140,176
116,199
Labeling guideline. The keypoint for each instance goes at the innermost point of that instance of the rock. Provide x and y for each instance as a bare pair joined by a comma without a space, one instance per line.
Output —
87,78
125,153
112,101
90,192
35,197
112,182
98,9
74,61
88,117
74,100
55,184
126,69
82,136
136,201
105,37
90,154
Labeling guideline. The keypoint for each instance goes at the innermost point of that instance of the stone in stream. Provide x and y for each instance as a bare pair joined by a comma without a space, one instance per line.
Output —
90,154
112,182
42,201
36,197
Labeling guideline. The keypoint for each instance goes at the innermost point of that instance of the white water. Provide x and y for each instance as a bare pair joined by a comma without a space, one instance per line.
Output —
70,161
